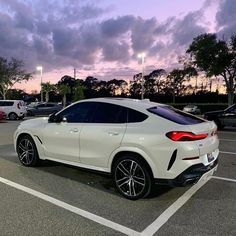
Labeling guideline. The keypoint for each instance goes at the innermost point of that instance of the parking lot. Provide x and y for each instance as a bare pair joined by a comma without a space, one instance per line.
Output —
55,199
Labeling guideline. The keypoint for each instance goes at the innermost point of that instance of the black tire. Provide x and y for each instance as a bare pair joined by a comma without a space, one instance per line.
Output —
30,113
132,177
27,151
12,116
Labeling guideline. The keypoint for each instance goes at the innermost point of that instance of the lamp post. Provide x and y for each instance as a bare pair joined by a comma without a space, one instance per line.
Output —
40,68
142,56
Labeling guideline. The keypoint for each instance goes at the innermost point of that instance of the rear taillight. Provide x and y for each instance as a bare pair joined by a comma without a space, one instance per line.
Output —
185,136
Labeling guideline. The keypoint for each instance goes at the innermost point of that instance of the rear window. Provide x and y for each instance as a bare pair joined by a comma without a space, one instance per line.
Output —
175,115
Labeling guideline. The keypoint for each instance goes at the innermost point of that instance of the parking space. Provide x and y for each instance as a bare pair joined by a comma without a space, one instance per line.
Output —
85,203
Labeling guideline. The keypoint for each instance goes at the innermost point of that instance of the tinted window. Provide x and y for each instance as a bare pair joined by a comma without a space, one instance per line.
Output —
6,104
136,116
175,115
50,105
78,113
41,106
109,113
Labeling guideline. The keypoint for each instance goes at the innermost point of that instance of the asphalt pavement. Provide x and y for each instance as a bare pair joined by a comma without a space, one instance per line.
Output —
56,199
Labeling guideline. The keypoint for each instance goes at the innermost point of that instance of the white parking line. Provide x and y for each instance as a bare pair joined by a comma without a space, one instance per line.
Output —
171,210
231,153
222,178
71,208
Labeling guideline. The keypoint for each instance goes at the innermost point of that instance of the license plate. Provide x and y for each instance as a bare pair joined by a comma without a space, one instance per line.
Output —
210,157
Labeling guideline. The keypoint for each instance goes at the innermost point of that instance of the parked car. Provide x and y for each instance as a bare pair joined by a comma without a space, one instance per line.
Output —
14,109
45,108
192,109
223,118
3,115
138,142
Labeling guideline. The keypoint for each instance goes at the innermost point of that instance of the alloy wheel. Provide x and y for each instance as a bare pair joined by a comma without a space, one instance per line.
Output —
26,151
130,178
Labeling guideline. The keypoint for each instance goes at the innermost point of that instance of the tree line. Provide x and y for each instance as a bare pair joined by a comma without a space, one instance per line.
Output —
207,55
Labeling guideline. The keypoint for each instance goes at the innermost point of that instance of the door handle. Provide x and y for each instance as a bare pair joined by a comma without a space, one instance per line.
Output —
113,133
75,130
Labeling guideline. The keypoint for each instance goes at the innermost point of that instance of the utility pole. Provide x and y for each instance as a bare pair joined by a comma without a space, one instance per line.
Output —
74,73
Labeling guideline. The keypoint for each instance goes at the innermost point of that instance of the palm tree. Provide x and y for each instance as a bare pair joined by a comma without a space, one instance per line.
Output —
63,90
47,87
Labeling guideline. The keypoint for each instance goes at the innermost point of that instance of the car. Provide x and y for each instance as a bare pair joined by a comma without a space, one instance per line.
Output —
14,109
45,108
192,109
138,142
2,115
223,118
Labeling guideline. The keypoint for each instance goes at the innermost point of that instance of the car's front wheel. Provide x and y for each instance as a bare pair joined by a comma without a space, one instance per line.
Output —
132,177
27,151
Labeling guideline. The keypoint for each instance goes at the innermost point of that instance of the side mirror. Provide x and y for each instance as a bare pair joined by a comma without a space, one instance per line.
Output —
56,119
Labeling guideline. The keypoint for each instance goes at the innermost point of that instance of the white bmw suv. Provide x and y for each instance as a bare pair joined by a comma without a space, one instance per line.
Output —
137,141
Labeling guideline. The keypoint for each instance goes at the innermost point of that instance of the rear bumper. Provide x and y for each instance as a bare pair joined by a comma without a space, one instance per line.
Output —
189,176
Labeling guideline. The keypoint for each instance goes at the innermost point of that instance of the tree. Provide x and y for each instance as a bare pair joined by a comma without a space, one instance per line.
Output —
47,87
216,57
63,90
177,78
78,93
153,82
16,94
69,82
11,72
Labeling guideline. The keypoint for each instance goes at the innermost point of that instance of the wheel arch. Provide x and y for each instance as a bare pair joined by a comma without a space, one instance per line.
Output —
138,154
35,138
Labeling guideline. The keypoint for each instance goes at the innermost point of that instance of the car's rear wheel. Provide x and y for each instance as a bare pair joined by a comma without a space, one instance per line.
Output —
27,151
132,177
12,116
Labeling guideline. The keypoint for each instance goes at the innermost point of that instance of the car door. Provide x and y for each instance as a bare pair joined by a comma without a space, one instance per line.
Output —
40,109
228,118
103,134
61,134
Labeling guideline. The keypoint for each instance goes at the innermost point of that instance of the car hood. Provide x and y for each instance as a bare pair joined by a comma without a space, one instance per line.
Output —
37,122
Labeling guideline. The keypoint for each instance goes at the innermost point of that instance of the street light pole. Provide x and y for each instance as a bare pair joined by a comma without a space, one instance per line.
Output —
142,56
40,68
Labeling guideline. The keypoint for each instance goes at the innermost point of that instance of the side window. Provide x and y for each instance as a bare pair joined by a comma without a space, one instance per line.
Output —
49,105
136,116
41,106
78,113
109,113
9,104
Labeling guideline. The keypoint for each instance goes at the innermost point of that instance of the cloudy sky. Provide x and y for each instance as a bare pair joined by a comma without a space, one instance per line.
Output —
103,37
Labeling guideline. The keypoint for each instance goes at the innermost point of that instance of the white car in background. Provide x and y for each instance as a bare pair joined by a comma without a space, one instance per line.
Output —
192,109
137,141
14,109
